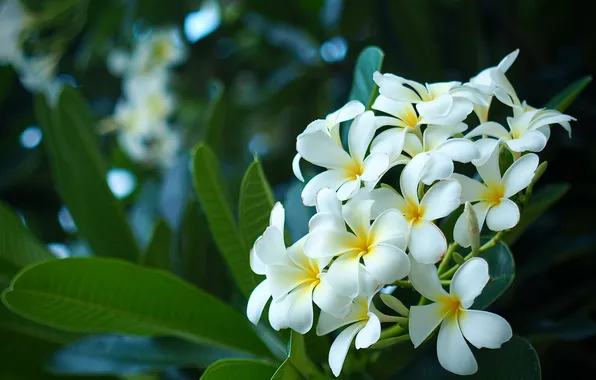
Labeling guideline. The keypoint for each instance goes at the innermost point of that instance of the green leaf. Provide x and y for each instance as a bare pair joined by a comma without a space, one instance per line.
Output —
97,295
364,88
158,254
210,190
79,174
18,246
516,359
539,203
112,354
287,371
502,271
232,369
564,98
255,204
193,245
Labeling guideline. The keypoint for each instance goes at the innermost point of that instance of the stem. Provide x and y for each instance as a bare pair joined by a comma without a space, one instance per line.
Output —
403,283
443,266
486,246
391,332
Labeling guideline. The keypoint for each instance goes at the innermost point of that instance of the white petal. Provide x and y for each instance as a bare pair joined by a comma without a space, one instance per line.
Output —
389,227
270,247
387,263
502,83
320,149
300,313
331,179
436,108
256,264
329,243
393,107
485,147
440,166
327,201
508,60
490,171
278,314
329,300
391,86
328,323
278,216
484,329
472,190
296,253
519,175
257,301
386,198
390,142
284,279
314,126
490,128
360,135
343,274
453,351
469,280
533,141
341,345
427,242
296,167
423,320
370,334
460,231
503,216
460,150
425,280
357,214
347,112
458,112
411,175
348,189
441,199
367,283
374,166
412,144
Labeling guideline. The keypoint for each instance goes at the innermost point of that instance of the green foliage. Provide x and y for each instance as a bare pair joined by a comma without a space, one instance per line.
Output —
298,365
229,369
502,272
255,204
158,253
563,99
192,244
211,193
110,296
364,89
79,174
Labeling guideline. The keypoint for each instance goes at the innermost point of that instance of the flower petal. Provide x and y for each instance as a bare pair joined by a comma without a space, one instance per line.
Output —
460,231
349,111
343,274
256,264
453,351
436,108
460,109
489,128
348,189
257,301
341,345
375,165
360,135
296,253
485,147
411,175
412,144
469,280
320,149
296,167
460,150
386,198
484,329
357,214
389,227
392,87
440,166
427,243
393,107
329,242
425,280
519,175
471,190
370,334
327,201
331,179
503,216
533,141
300,312
270,247
331,301
390,142
283,279
386,263
441,199
423,320
278,314
277,216
489,171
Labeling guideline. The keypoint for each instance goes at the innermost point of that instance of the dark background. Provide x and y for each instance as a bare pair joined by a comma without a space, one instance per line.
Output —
282,67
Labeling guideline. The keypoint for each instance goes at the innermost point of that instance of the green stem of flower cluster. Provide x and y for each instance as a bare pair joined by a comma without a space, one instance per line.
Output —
392,331
443,266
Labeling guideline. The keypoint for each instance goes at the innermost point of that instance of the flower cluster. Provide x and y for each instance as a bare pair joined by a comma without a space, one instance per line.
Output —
142,114
366,235
36,72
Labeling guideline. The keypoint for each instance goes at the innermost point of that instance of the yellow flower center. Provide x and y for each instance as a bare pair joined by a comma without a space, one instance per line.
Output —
355,169
451,307
410,118
494,194
413,212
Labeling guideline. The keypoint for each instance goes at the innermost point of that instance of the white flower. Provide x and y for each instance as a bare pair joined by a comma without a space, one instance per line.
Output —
528,129
14,19
329,125
493,196
156,145
444,103
450,310
492,81
364,324
293,280
163,48
426,241
150,94
346,171
38,74
380,245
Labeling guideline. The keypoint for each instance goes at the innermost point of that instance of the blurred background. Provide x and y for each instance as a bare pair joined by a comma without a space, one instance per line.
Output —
262,70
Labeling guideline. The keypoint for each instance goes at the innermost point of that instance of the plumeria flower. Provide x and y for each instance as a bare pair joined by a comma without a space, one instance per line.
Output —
492,81
163,48
444,103
14,19
38,74
492,197
364,324
329,125
293,280
427,244
156,145
451,310
346,170
529,128
379,245
150,93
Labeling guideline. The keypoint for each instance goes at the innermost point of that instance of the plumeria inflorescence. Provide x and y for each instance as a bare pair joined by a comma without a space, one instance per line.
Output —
366,234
